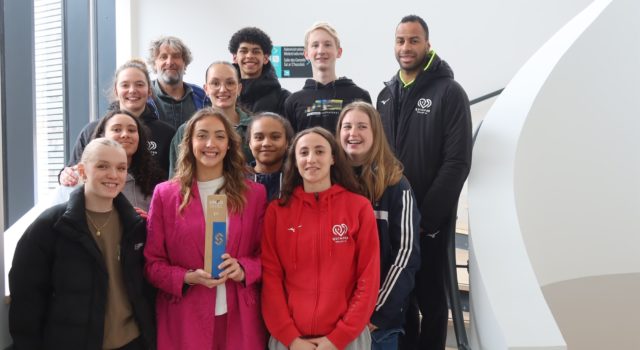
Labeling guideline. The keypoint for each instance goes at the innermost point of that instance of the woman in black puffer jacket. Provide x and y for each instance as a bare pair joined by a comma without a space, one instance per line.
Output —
76,281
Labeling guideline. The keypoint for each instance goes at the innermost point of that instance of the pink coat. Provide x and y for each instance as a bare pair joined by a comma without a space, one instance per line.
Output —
175,244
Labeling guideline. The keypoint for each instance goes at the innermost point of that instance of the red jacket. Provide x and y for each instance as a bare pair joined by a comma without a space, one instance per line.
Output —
321,266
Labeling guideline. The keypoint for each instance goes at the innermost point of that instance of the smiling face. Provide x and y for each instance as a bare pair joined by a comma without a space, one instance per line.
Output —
268,143
250,58
210,144
123,129
105,172
322,50
132,90
222,86
314,161
356,135
169,65
411,46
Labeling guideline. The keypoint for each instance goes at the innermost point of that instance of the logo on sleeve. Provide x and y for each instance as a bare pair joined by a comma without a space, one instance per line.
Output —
153,147
423,106
340,233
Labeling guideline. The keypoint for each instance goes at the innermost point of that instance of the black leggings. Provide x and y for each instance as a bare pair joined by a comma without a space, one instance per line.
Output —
429,297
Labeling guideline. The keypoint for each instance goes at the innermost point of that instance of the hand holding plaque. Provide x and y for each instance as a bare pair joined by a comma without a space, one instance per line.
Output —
231,268
202,277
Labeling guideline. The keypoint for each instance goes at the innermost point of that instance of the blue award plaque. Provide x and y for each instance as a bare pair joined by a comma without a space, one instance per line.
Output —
215,234
218,247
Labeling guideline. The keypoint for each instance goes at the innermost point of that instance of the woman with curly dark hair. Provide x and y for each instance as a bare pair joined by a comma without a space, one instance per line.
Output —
143,170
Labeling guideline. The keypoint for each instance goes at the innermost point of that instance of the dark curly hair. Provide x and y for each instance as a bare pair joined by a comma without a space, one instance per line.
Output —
144,168
250,35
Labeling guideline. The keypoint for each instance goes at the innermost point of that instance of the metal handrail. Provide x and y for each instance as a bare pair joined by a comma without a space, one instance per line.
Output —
454,290
485,97
452,266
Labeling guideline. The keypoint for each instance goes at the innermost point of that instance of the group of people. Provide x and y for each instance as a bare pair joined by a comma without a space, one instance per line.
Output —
338,212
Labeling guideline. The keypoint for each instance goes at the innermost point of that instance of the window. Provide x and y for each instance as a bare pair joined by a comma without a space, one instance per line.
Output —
49,96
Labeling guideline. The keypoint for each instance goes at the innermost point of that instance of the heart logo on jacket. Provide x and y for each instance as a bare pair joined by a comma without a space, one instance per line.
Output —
340,230
424,103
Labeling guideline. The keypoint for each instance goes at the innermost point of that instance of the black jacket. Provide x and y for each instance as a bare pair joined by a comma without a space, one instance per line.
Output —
320,105
428,126
59,281
160,135
398,222
264,93
272,182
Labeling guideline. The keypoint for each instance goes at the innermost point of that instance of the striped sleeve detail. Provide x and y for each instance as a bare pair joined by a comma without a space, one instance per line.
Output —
406,247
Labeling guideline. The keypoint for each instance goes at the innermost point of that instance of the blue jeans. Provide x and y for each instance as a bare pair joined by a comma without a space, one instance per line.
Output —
385,339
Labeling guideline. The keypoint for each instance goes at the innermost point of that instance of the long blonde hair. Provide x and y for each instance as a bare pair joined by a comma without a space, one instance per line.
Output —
380,167
234,170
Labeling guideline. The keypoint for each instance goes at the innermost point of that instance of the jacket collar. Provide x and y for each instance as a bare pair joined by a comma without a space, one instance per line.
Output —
73,222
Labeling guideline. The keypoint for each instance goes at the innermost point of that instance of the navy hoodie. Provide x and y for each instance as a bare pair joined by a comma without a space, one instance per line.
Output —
320,105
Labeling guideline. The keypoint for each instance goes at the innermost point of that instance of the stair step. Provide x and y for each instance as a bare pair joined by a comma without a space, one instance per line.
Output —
462,257
465,315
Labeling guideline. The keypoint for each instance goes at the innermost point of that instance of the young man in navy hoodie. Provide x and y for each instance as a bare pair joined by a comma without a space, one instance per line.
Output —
322,98
426,118
261,92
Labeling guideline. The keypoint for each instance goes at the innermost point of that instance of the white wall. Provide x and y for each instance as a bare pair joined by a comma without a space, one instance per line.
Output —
485,42
554,193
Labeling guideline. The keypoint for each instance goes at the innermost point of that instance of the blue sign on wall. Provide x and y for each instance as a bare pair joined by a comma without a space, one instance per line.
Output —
289,62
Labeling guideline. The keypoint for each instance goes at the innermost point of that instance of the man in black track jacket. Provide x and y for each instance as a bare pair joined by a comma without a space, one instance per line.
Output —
427,121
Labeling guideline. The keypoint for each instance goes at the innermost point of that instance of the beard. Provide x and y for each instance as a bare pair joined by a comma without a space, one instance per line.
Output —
415,66
171,78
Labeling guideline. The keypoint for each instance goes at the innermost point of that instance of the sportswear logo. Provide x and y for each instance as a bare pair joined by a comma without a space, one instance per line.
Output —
152,145
137,246
424,103
340,233
423,106
340,230
384,102
433,235
293,229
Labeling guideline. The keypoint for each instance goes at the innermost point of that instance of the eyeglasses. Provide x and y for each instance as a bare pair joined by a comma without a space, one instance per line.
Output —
228,84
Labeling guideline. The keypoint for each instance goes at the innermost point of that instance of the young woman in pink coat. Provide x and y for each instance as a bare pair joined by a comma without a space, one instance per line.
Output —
194,309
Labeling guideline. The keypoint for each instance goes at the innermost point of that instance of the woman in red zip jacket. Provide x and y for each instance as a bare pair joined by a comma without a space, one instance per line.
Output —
320,252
